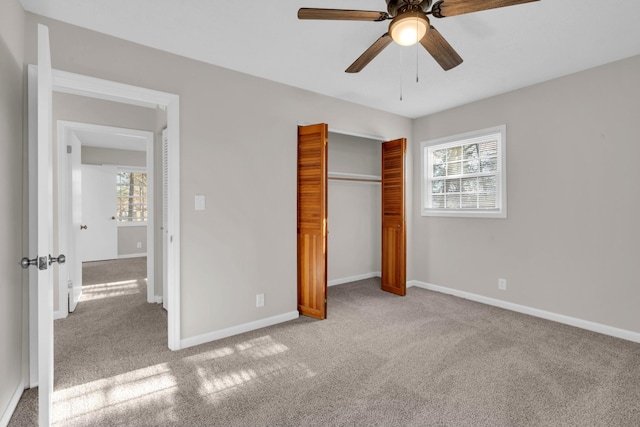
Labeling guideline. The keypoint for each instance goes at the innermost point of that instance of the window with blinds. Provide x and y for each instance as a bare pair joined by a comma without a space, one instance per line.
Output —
464,175
131,197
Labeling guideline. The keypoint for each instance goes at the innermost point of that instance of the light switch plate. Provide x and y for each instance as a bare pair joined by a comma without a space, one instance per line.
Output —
200,202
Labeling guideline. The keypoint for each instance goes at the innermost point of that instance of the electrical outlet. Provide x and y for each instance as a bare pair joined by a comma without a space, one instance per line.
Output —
259,300
502,284
139,245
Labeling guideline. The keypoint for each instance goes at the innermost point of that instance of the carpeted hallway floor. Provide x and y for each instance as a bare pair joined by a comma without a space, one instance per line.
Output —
423,360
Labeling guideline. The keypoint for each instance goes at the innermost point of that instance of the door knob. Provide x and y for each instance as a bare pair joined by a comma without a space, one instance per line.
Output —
41,262
83,227
26,262
60,259
113,217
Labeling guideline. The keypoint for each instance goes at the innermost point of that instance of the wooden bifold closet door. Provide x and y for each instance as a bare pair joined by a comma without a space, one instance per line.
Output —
393,217
312,220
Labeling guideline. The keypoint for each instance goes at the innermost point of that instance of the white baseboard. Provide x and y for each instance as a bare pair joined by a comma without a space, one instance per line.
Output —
240,329
158,299
132,255
353,278
59,315
560,318
13,403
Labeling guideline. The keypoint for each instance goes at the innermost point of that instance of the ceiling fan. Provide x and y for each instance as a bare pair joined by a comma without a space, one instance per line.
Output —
410,25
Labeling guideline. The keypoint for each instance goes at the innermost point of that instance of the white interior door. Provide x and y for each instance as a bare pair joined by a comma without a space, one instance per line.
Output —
69,274
40,169
75,183
99,240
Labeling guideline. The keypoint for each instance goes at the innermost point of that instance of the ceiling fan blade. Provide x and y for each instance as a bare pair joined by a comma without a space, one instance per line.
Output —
444,8
369,54
342,14
440,49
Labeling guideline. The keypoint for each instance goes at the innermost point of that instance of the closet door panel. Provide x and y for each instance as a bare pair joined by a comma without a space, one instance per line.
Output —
393,217
312,220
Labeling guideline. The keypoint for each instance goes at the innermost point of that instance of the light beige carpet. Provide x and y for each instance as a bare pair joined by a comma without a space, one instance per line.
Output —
423,360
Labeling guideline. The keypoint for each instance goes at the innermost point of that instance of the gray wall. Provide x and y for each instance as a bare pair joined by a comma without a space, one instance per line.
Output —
129,237
111,156
354,208
82,109
570,242
354,154
13,291
238,148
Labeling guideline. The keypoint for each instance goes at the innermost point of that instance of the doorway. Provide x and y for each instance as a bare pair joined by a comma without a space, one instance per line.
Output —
354,206
89,227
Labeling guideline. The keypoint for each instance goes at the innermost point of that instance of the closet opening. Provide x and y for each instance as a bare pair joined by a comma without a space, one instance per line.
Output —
354,208
350,213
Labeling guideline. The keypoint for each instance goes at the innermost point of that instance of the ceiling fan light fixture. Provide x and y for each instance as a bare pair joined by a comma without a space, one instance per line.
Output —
409,27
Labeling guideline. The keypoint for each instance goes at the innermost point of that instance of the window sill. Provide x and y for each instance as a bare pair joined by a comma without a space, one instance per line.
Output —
464,213
132,224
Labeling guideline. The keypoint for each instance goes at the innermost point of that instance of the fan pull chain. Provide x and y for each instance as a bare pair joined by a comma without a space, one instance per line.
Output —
401,68
417,67
417,49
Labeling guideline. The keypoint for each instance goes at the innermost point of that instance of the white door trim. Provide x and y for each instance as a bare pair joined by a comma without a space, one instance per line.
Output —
65,130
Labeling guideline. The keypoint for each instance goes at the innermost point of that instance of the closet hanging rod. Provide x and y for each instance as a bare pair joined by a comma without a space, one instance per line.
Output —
353,179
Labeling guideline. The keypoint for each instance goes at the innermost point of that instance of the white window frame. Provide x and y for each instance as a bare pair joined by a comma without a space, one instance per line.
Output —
134,169
426,171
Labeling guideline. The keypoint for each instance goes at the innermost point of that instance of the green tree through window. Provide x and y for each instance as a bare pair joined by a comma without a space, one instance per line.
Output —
131,202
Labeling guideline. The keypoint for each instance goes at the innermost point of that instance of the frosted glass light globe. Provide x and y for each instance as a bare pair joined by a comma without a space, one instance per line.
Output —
408,28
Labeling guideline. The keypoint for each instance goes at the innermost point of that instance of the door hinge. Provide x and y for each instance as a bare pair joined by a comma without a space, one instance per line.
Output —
69,149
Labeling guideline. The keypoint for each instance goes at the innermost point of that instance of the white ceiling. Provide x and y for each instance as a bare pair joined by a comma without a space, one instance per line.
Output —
503,49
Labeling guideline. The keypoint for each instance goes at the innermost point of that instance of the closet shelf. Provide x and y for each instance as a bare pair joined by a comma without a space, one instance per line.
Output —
339,176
